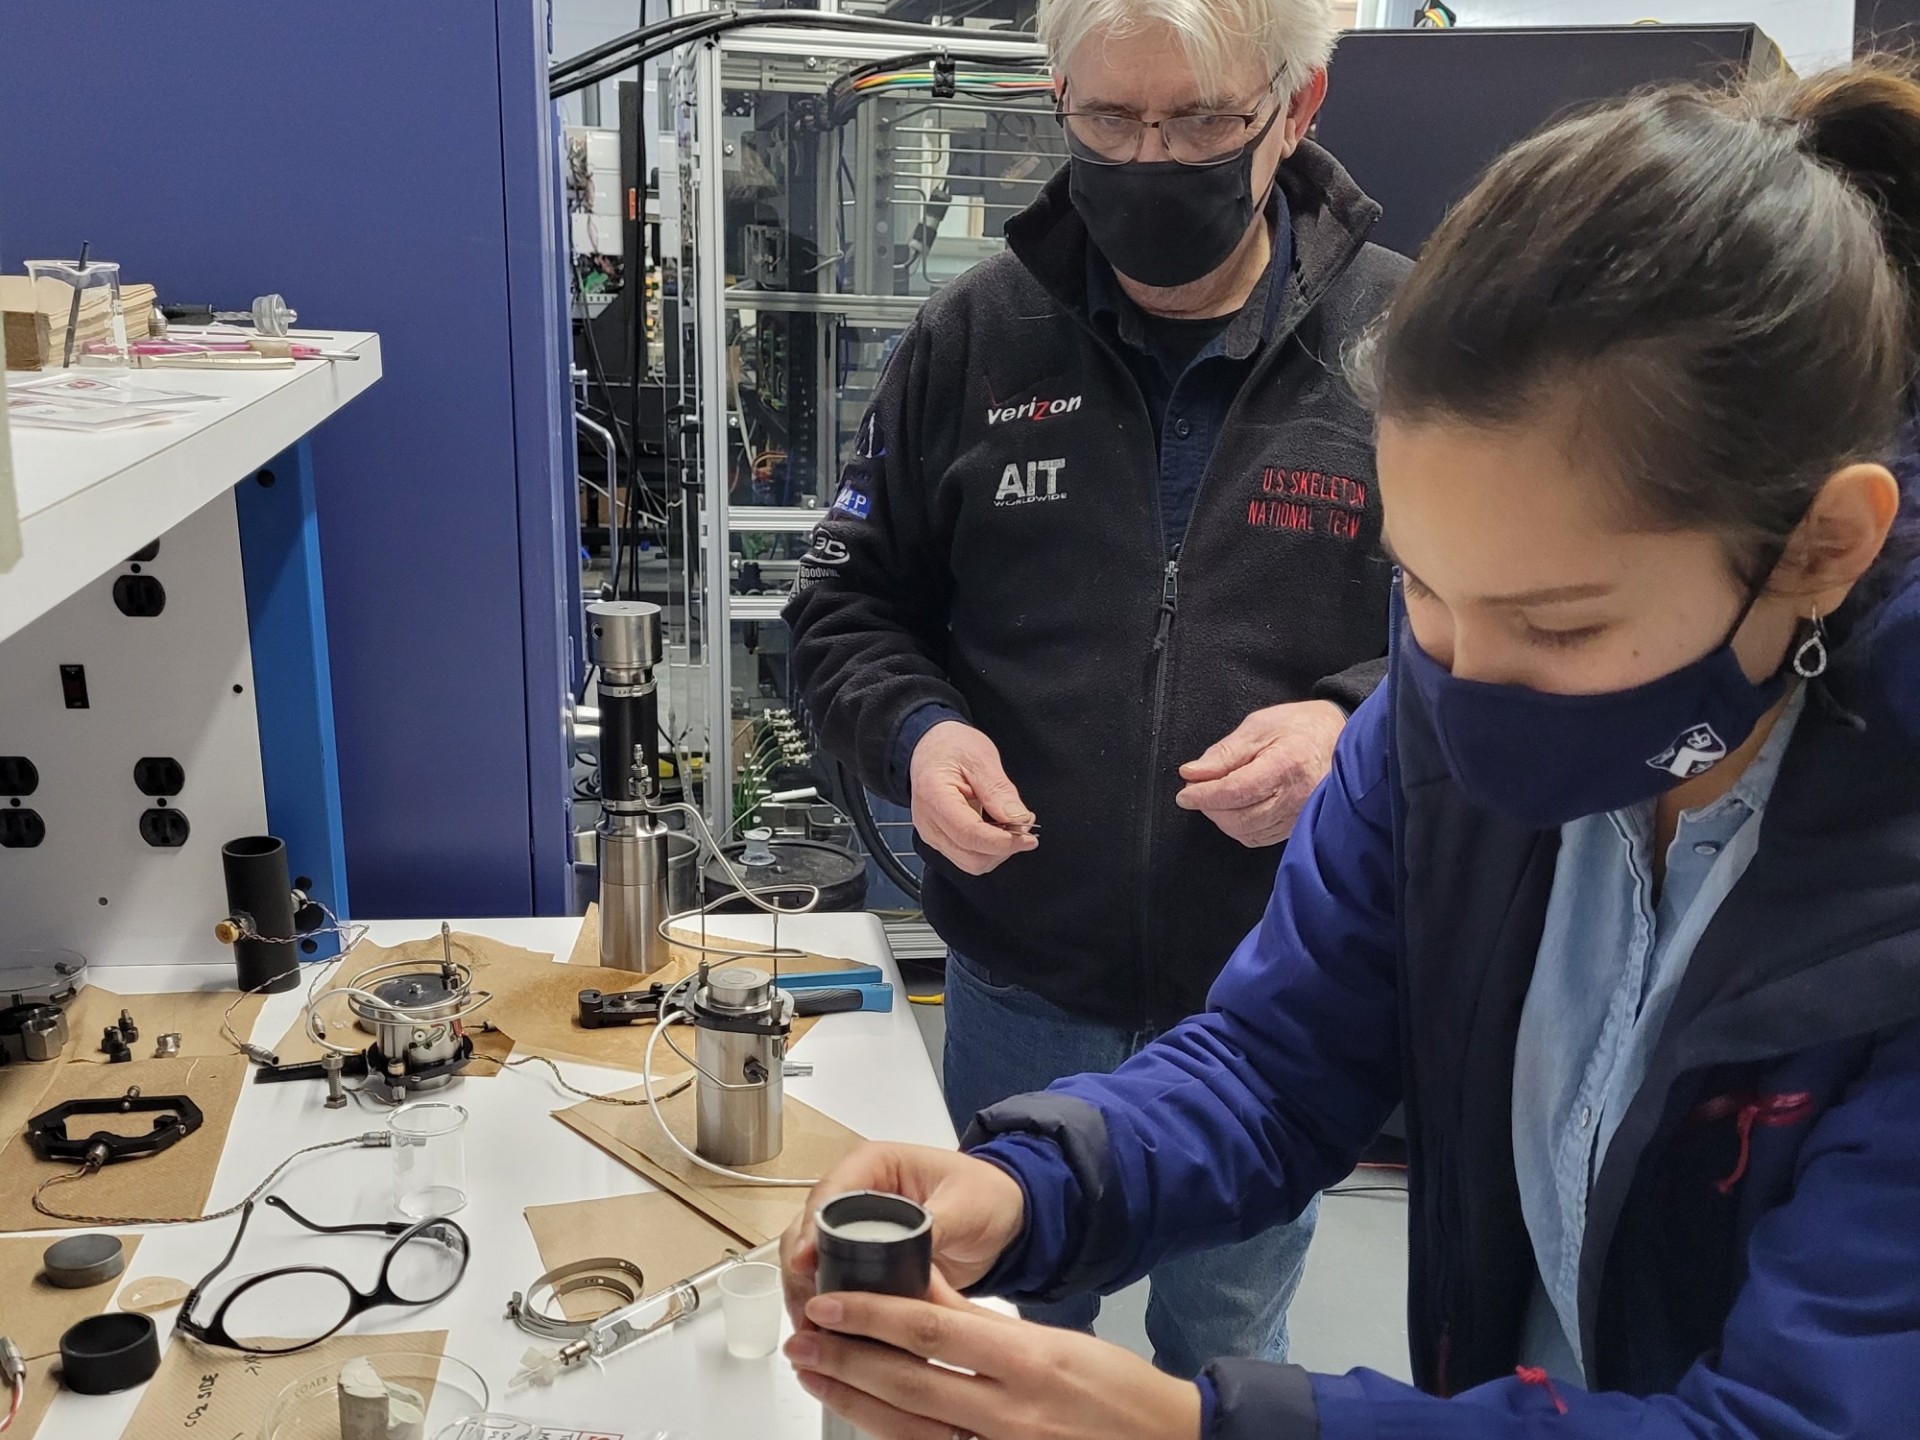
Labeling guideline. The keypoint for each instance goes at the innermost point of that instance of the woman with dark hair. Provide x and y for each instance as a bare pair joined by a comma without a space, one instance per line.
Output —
1615,883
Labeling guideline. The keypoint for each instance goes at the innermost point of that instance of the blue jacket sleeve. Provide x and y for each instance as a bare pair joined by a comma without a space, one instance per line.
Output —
1235,1119
1823,1339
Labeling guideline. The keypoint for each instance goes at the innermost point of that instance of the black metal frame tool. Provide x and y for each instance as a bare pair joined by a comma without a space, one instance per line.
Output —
178,1117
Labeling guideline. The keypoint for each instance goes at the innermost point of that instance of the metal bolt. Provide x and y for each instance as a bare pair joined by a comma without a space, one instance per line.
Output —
332,1064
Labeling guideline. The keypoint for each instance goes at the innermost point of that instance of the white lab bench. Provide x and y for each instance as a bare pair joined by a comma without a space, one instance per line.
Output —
871,1073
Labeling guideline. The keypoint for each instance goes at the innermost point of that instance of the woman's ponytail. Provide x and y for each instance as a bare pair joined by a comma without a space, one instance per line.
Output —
1864,122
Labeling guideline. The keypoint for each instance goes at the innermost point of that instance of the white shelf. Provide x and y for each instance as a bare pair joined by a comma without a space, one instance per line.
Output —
87,502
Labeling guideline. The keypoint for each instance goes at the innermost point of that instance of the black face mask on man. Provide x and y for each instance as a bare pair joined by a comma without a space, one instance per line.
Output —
1163,223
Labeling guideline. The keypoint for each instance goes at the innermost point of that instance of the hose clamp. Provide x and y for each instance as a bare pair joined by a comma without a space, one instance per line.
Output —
622,1280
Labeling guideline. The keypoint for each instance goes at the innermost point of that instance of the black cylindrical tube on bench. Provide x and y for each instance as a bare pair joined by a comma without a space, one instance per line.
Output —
259,888
875,1242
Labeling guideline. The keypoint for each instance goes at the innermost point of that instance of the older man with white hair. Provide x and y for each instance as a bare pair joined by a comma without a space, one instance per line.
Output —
1106,561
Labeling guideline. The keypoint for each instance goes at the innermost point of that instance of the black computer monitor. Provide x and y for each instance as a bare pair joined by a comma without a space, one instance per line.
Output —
1417,115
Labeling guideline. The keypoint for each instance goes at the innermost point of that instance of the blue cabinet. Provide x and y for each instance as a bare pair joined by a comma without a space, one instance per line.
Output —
387,165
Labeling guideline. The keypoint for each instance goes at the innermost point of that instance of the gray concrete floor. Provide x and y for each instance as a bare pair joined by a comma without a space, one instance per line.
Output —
1351,1308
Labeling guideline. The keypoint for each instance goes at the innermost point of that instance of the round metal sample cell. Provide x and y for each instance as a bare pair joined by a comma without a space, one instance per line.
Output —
424,996
738,988
82,1260
624,635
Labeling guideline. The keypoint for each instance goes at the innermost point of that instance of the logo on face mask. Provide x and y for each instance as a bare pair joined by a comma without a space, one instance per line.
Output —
1694,753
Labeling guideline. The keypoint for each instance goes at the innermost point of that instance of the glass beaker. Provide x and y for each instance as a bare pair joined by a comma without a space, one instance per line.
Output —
81,300
429,1158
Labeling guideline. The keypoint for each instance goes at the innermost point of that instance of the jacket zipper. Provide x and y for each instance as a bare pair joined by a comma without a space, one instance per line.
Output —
1170,597
1169,604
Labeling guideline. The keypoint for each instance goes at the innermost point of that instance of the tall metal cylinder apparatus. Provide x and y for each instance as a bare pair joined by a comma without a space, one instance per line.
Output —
624,641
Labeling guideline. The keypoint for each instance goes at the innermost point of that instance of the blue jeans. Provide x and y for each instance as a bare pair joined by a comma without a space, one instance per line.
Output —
1003,1040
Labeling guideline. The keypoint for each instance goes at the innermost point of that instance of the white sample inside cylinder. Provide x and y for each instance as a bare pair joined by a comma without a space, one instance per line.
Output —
874,1230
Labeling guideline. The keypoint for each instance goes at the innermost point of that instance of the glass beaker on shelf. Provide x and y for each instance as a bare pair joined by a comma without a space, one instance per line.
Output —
85,321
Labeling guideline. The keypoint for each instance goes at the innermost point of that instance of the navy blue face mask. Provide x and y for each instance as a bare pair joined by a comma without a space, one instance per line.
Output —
1545,760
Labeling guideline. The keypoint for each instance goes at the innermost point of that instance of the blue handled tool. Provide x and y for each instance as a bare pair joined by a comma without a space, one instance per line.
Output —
839,999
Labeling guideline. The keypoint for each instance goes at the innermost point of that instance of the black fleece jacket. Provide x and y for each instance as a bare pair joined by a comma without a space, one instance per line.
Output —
997,547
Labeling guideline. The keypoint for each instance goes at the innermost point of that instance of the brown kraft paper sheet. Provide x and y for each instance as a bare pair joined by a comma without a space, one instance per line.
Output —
23,1095
41,1388
202,1392
37,1314
755,1214
194,1015
175,1182
669,1241
494,963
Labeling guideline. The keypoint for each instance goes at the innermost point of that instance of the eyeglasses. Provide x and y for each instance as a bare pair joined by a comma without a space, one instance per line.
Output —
289,1309
1104,137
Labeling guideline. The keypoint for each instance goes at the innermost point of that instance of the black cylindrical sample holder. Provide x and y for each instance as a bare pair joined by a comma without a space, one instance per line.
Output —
624,641
900,1263
629,744
259,888
109,1353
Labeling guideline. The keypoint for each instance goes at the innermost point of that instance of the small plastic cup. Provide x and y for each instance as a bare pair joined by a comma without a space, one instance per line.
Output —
429,1158
752,1302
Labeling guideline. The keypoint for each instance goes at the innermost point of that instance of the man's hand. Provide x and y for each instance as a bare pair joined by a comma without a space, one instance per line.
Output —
964,805
977,1208
998,1378
1253,783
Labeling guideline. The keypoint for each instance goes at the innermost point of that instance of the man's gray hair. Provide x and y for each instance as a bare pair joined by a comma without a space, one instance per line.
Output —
1295,36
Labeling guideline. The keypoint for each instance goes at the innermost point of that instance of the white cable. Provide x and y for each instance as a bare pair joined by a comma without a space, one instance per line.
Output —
646,1079
560,1079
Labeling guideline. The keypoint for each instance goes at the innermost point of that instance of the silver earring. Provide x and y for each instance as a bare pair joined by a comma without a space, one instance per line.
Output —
1810,659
